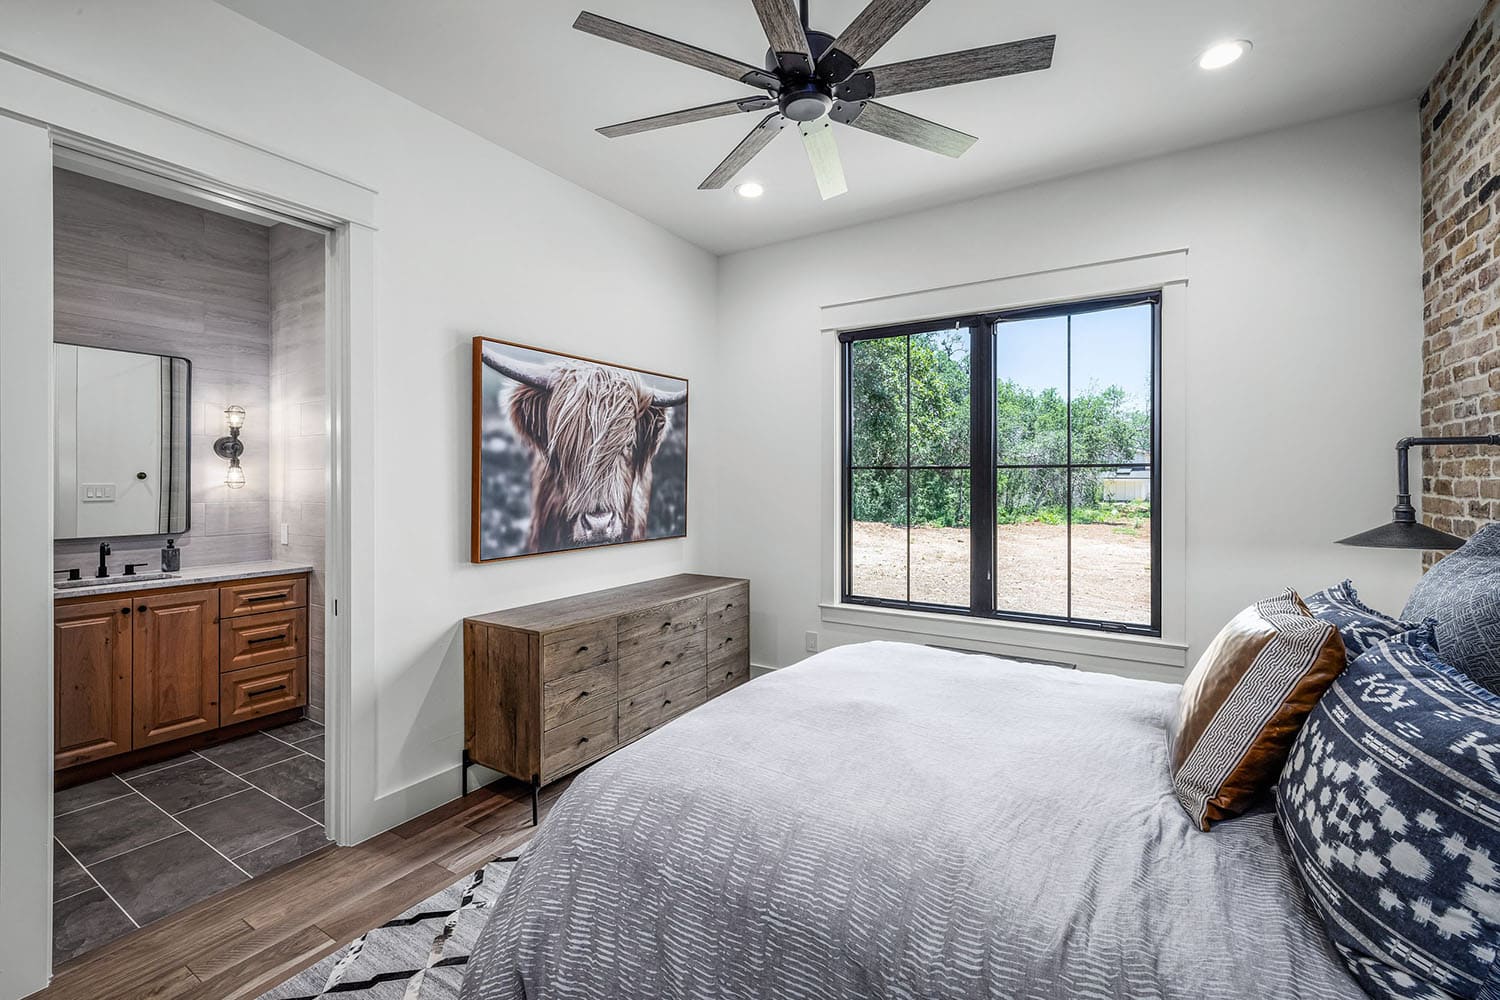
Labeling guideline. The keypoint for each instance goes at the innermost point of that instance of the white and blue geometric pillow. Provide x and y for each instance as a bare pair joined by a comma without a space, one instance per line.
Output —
1390,801
1463,593
1359,626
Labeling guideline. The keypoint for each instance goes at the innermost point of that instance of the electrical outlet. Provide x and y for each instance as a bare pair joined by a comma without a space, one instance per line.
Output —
285,539
811,642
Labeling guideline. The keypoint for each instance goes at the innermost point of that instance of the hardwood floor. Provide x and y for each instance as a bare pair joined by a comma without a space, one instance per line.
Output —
241,943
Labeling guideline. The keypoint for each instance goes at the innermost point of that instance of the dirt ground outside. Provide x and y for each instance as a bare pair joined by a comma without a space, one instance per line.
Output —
1111,568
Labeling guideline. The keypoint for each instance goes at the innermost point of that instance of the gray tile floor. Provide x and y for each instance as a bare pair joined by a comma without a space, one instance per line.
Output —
136,846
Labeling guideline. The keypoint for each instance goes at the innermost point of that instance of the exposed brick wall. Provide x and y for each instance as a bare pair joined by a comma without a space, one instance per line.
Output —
1461,280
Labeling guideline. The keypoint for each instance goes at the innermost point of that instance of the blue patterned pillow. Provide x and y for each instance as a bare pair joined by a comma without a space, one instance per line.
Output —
1390,801
1359,626
1463,593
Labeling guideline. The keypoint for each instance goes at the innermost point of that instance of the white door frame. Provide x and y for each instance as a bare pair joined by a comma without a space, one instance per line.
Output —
43,114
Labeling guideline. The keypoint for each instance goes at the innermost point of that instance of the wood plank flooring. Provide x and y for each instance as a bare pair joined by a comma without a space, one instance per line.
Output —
241,943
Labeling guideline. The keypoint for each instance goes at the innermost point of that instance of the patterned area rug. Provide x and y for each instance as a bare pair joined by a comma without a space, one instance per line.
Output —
420,955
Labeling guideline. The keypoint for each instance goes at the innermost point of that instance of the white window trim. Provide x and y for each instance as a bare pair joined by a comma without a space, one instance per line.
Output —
1162,657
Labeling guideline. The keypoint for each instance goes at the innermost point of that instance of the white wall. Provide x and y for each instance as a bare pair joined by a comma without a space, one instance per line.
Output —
1302,363
471,239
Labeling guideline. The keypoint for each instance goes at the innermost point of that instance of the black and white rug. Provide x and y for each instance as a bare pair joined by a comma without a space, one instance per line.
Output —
420,955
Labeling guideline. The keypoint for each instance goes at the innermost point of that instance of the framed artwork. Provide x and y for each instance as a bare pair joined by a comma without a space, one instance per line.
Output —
571,453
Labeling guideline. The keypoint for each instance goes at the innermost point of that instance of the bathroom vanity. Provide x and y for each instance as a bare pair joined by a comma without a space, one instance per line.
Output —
153,667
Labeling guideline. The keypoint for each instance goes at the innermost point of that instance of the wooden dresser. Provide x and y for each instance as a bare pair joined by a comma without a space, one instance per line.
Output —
552,687
170,668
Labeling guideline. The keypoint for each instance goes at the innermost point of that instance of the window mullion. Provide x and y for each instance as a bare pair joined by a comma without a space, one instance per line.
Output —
981,467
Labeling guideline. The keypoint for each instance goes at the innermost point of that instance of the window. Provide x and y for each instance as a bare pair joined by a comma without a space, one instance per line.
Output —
1005,466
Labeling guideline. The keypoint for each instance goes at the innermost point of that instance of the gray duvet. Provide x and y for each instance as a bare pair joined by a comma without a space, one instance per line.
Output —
893,821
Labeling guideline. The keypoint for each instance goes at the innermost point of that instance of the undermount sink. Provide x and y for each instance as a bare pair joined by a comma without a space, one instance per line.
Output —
123,581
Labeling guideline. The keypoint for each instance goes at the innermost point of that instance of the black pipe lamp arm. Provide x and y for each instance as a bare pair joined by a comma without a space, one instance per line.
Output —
1405,531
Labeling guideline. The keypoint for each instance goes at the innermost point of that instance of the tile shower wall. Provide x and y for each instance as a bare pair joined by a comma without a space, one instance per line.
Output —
299,424
137,272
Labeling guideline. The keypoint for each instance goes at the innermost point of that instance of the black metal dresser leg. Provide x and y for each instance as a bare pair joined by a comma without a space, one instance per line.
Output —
536,792
467,762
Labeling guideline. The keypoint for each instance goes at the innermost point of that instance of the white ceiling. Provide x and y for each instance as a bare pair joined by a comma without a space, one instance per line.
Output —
1124,85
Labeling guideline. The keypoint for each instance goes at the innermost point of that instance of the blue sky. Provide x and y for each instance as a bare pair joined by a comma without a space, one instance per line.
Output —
1112,347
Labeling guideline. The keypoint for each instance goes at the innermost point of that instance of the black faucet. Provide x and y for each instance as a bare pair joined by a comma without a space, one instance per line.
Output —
103,560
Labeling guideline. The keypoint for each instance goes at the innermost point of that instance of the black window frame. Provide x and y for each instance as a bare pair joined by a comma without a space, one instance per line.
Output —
984,463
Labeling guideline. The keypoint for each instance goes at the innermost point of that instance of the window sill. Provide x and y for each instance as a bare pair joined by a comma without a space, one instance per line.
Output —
1144,656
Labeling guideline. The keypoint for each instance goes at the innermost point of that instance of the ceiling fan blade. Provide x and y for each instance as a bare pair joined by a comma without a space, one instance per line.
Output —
874,26
785,33
987,63
749,147
883,120
720,110
691,55
823,153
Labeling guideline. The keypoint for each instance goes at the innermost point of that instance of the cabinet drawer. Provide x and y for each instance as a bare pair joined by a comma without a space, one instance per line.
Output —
581,693
727,674
658,705
643,629
576,743
660,660
273,593
729,641
265,638
256,691
727,605
579,648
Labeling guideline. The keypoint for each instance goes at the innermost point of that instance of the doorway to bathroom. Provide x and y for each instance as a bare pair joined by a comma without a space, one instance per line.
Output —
191,478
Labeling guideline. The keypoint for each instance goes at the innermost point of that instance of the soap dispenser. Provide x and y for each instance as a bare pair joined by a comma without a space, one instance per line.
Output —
171,557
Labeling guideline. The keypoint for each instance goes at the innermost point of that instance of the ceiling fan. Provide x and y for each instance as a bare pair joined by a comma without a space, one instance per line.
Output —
815,79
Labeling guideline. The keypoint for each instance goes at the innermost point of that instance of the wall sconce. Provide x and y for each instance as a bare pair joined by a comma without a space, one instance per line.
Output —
1405,531
231,447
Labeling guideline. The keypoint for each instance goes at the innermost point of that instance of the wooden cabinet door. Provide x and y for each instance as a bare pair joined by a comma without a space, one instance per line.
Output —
176,676
91,662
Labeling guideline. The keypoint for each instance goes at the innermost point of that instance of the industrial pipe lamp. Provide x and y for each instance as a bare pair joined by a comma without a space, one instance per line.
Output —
1405,531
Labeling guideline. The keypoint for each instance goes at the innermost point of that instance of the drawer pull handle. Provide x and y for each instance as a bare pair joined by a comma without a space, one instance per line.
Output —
665,626
582,740
666,703
666,663
258,598
583,649
271,690
583,694
266,638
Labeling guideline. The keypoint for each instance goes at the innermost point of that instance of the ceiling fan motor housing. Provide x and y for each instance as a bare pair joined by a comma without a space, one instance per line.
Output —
803,97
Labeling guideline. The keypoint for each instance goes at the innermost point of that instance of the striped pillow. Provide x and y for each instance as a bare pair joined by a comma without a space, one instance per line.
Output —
1244,702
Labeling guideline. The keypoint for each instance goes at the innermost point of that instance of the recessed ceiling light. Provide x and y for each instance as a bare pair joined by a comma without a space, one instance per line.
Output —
1223,54
750,189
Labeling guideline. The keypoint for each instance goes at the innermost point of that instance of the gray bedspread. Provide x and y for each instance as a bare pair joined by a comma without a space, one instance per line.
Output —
893,821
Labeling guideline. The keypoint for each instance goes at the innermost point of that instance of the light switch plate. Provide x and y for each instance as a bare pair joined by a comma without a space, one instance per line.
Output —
96,492
811,642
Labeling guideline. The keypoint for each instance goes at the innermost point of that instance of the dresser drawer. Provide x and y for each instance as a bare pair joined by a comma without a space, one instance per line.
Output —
727,674
265,638
649,628
659,661
656,706
727,605
729,641
579,648
264,690
580,693
273,593
576,743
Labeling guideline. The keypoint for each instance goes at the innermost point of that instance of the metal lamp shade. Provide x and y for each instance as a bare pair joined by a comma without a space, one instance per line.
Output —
1404,535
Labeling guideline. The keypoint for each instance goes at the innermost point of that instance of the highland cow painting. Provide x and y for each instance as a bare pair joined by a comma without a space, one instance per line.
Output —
571,453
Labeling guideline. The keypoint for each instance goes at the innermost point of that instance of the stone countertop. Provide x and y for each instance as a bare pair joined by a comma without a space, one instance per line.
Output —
187,576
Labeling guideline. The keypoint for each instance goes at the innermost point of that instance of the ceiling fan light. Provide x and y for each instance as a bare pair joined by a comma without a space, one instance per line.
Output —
1222,54
750,189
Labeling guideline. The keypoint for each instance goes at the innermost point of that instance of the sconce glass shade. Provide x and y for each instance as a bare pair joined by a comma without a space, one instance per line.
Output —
234,416
235,477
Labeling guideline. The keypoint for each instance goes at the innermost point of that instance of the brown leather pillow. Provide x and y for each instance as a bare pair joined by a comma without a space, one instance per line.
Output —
1244,703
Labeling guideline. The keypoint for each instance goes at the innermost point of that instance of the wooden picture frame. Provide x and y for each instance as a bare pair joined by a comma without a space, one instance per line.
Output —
620,476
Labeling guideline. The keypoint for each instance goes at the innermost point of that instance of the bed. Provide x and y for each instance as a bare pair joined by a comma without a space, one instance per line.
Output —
891,821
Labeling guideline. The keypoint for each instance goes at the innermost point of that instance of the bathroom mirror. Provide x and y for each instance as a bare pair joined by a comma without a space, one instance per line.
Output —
121,461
